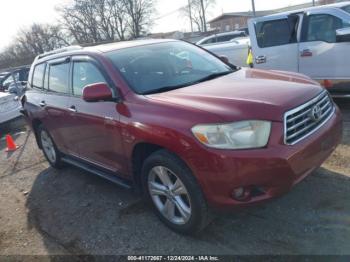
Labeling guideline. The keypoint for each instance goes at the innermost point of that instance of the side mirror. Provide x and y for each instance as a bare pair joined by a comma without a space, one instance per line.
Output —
224,59
97,92
343,35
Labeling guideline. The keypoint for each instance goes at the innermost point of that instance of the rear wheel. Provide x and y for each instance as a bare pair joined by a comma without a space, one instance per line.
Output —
174,193
49,148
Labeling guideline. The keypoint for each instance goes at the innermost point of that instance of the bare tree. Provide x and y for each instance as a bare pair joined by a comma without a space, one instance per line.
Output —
94,21
197,10
31,42
118,18
140,14
41,38
82,20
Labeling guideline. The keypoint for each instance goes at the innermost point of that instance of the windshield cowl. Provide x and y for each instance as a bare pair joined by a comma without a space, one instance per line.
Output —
207,78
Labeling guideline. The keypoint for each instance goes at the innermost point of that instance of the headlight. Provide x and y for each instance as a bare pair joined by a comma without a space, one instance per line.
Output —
237,135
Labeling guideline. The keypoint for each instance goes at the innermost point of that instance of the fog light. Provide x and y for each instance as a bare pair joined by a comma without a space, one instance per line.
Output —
238,193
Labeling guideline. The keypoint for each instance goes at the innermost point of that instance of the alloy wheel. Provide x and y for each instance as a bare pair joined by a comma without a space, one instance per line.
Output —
169,195
48,146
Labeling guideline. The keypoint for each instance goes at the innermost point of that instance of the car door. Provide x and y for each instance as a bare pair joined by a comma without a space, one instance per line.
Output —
95,126
54,101
274,42
321,56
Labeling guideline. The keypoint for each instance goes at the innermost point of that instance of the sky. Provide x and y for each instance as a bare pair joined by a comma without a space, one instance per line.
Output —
19,14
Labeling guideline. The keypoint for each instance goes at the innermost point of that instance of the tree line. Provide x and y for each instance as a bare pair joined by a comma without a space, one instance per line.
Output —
81,22
85,22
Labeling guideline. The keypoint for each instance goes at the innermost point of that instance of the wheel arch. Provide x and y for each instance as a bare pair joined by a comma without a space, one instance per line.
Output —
35,126
141,151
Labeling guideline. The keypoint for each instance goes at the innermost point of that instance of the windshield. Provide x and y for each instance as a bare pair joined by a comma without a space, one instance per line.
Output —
165,66
346,8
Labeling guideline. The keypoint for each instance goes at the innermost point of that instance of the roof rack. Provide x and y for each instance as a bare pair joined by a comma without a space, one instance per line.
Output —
60,50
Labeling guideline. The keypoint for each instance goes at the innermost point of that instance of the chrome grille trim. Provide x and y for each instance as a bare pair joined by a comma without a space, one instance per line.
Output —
298,122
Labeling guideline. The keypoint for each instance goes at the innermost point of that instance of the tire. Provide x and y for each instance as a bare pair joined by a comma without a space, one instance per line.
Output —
49,148
184,207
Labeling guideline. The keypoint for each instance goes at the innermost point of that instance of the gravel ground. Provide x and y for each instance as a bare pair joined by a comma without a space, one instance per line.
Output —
45,211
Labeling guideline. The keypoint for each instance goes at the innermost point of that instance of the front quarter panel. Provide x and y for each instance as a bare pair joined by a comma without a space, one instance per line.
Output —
161,124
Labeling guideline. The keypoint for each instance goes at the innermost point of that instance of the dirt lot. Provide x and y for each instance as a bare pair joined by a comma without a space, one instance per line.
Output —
45,211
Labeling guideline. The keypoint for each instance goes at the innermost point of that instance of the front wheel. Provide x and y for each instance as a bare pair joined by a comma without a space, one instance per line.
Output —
174,193
49,148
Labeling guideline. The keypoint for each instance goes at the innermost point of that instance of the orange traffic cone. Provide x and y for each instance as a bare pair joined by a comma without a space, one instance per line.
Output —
11,146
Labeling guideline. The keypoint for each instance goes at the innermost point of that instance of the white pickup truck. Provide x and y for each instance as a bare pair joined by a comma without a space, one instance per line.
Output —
313,41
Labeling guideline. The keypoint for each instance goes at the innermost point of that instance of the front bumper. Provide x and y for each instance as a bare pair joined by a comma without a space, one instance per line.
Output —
273,170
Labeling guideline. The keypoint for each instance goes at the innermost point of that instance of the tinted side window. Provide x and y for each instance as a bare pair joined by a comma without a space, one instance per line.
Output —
274,33
209,41
8,81
58,78
38,76
85,73
346,8
226,38
322,27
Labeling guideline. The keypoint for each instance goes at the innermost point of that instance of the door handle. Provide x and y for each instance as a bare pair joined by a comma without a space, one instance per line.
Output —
261,59
306,52
42,104
72,109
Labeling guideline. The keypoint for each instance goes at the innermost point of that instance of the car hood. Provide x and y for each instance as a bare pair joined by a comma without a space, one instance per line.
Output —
245,94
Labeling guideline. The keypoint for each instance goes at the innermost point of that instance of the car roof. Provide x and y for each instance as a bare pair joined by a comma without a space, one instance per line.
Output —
127,44
236,32
314,8
103,48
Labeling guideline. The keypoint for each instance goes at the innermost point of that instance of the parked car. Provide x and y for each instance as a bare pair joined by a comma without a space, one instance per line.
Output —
245,30
14,80
313,41
175,122
10,107
235,50
221,37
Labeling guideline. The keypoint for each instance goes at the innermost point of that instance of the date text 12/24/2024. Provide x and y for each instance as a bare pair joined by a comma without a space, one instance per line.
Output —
173,258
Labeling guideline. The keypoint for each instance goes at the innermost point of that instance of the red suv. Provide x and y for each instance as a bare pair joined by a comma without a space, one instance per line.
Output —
176,122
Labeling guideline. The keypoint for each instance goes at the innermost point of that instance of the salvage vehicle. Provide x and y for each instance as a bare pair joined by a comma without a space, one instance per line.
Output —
15,79
220,38
10,107
235,50
313,41
192,134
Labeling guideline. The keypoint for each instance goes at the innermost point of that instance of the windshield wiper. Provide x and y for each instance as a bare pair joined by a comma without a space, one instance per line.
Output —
169,88
165,88
213,76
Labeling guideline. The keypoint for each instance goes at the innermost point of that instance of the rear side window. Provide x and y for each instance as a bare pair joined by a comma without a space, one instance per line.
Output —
226,38
38,76
85,73
58,78
323,27
274,33
209,41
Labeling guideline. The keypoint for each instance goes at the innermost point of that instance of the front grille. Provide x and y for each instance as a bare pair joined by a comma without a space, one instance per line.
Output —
307,118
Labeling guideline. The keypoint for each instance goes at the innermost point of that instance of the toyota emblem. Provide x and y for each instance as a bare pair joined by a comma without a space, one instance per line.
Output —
316,113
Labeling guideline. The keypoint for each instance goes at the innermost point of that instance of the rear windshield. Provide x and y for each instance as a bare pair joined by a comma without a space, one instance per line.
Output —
346,8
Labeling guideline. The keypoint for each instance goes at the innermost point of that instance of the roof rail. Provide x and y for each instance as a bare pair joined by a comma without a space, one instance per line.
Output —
60,50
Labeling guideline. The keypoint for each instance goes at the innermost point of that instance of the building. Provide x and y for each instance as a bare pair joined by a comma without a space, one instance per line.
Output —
232,21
